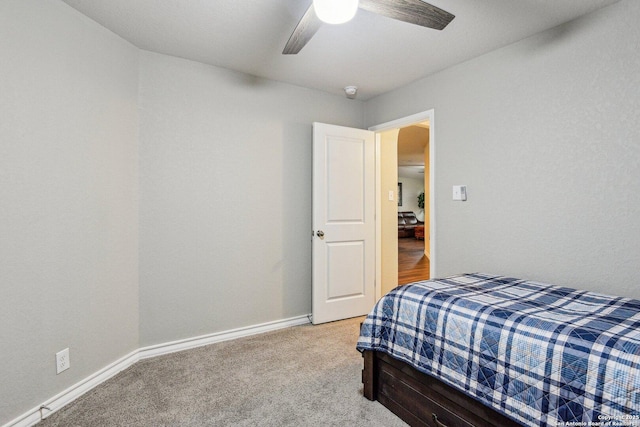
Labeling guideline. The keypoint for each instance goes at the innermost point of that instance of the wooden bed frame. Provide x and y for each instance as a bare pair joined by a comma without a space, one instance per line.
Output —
421,400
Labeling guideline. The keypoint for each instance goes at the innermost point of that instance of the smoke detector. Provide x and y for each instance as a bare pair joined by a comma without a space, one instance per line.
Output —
351,91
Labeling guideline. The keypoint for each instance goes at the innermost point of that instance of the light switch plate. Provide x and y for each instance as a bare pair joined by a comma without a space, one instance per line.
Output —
460,193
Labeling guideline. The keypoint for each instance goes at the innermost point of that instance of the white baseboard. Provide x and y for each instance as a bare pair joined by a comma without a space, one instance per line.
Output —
67,396
172,347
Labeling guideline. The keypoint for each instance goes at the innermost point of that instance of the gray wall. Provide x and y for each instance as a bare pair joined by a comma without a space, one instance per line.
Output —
68,199
225,203
545,134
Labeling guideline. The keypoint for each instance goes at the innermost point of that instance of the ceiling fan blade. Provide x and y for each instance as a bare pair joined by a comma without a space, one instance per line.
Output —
412,11
305,29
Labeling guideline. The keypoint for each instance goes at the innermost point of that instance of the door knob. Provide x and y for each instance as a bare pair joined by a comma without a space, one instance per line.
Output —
320,234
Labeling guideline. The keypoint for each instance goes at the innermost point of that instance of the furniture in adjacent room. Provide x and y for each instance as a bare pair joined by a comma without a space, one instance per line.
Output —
407,223
418,232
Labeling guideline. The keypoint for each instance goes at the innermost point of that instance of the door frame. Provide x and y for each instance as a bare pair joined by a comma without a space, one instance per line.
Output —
413,119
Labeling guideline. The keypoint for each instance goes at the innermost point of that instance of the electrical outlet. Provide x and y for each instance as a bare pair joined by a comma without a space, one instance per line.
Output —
62,360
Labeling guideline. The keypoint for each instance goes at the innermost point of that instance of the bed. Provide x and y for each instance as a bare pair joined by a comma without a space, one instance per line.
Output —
483,350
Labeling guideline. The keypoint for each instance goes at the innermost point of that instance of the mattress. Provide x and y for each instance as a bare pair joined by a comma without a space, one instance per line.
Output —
540,354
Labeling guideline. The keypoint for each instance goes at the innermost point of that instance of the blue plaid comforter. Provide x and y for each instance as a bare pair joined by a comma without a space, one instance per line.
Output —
540,354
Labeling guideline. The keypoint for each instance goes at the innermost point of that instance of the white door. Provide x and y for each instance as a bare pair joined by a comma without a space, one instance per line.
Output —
343,276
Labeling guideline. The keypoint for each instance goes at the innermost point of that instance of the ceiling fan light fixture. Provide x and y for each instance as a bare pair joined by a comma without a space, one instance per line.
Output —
335,11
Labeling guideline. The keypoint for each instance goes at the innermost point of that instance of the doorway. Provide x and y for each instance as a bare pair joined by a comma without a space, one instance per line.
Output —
413,192
387,201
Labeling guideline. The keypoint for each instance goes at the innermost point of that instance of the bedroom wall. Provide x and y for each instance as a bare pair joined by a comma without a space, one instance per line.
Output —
545,134
68,210
211,139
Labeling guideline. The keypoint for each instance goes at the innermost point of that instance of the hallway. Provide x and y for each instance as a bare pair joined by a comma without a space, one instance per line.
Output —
413,265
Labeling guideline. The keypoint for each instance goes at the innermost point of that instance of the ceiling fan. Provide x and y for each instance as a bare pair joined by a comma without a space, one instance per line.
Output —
413,11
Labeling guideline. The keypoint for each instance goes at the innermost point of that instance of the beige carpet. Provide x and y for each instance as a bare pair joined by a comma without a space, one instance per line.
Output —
301,376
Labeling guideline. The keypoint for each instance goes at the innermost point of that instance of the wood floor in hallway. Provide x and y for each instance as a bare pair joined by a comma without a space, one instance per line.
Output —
413,265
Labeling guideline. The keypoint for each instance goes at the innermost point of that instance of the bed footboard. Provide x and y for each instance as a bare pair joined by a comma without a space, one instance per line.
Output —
421,400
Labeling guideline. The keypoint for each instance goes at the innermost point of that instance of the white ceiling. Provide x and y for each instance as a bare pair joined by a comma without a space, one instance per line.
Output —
375,53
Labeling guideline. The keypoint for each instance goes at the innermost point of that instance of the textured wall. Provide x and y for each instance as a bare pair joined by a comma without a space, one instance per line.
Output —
545,134
68,200
225,200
